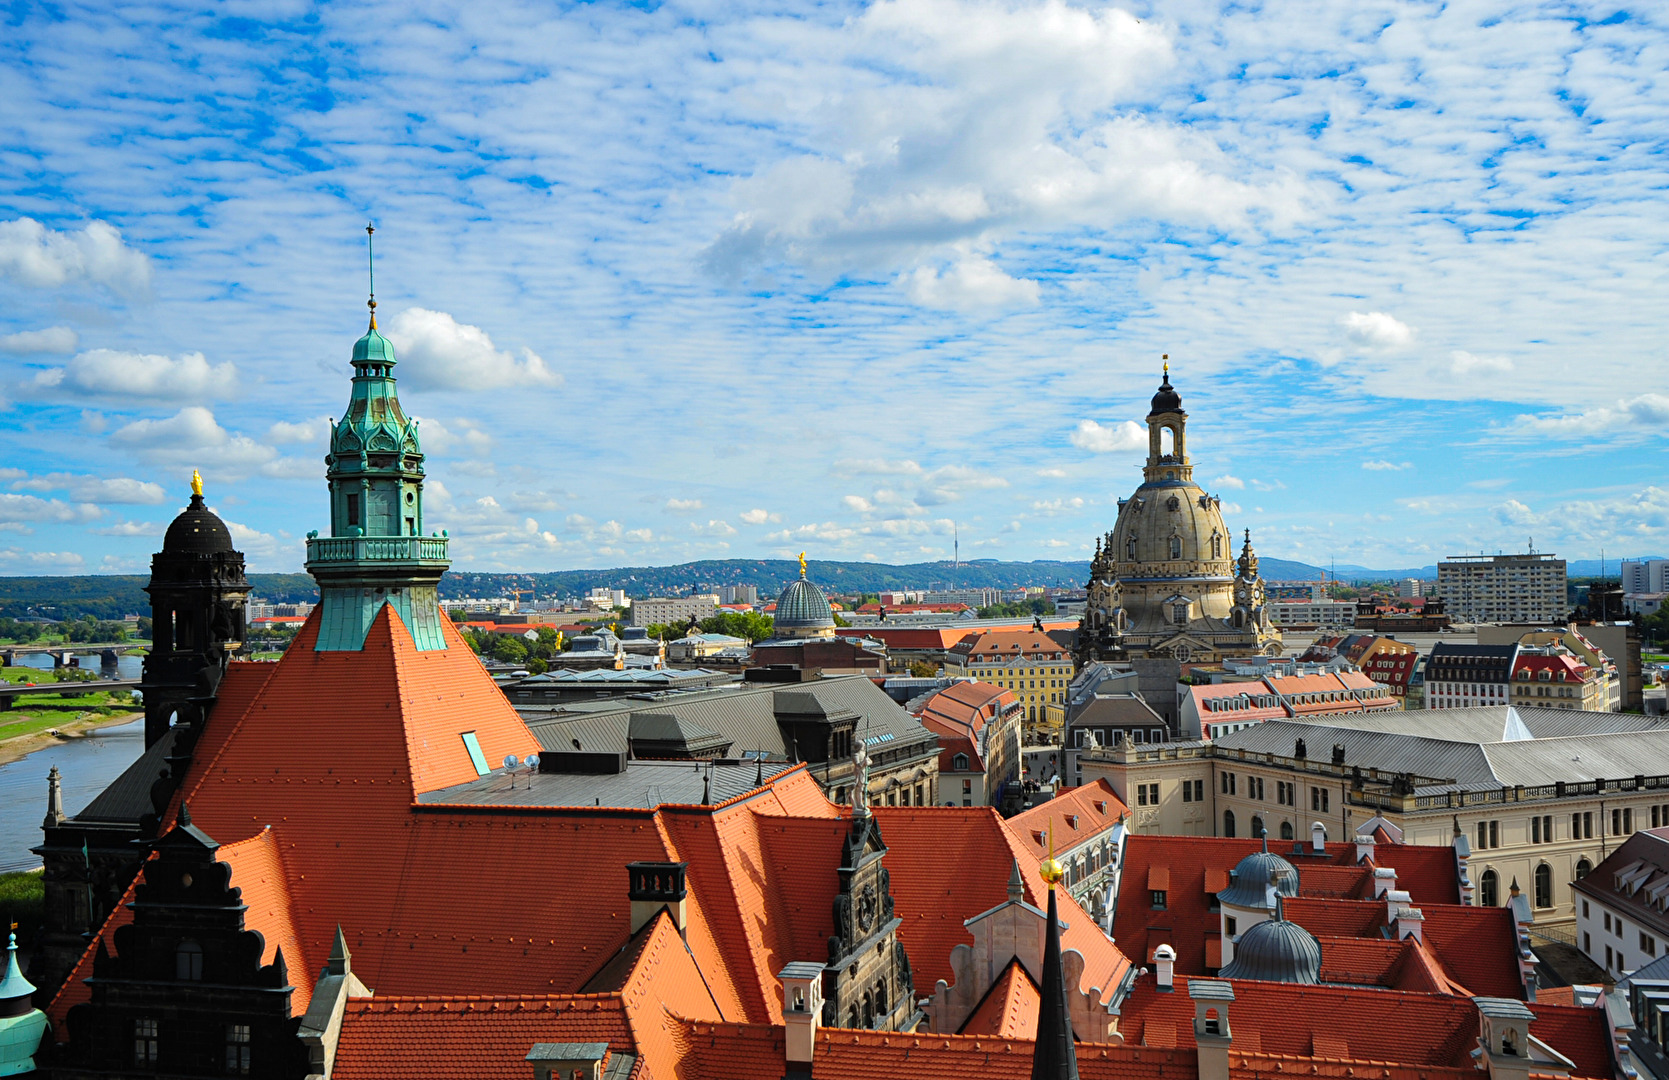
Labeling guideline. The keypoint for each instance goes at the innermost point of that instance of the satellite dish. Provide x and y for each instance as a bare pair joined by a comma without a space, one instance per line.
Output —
532,762
511,761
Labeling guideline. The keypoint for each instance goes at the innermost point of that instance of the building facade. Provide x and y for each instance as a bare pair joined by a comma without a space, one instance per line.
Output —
1468,676
1325,614
1164,582
1503,588
673,610
1036,664
1621,921
1524,787
1645,576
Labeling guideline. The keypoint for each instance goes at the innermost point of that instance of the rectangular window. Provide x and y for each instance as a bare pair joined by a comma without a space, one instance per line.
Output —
1157,897
1628,819
1607,920
1187,791
1319,798
1255,782
353,510
967,787
1535,830
237,1049
1648,944
1153,794
476,757
1547,828
1585,909
1495,834
144,1041
1616,822
1576,826
1587,943
1587,825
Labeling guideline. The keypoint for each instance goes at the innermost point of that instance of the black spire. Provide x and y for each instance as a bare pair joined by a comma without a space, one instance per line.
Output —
1054,1057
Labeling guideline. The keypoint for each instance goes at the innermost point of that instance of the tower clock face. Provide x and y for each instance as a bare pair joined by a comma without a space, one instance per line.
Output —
866,907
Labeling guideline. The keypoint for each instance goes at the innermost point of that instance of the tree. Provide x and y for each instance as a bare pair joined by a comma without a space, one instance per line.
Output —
750,625
921,669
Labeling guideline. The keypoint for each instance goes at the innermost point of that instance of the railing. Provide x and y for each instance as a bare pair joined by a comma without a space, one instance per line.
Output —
341,549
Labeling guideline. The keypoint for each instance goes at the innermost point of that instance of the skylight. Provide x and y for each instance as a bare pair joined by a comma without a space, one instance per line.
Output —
476,757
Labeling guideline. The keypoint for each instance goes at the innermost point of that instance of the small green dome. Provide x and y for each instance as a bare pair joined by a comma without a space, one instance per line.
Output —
373,348
802,606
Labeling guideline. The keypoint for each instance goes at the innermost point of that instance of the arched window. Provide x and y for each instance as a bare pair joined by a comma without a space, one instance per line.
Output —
1286,830
1489,888
1257,827
1167,442
852,1016
1130,547
188,961
1544,885
1228,822
1583,868
960,763
1176,547
881,998
868,1011
1216,546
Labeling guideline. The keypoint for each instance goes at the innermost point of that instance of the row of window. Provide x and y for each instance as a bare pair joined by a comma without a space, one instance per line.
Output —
1581,826
1489,885
147,1045
1256,825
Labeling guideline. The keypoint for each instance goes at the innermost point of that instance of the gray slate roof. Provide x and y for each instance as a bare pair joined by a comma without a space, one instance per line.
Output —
128,798
1476,749
644,785
744,714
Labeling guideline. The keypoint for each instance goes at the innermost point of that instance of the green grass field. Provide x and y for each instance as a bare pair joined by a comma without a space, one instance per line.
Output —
23,901
31,713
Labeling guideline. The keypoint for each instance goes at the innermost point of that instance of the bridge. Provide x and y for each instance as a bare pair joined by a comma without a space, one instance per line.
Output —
108,651
10,691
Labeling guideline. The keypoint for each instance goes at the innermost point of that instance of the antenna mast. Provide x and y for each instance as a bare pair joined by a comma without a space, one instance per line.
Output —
371,273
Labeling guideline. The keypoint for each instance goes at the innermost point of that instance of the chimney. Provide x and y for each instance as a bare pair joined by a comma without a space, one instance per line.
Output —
1318,838
568,1061
1338,753
802,1006
1504,1038
1365,844
54,800
1212,1036
1395,901
1384,880
653,886
1164,967
1298,751
1408,923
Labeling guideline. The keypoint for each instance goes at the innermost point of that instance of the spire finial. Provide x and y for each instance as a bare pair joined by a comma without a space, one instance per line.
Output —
371,272
802,564
196,483
1166,358
1051,870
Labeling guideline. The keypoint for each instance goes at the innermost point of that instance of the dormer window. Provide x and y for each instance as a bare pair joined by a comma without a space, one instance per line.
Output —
960,763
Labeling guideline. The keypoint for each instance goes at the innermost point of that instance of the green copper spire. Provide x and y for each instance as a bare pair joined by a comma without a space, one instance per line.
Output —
376,552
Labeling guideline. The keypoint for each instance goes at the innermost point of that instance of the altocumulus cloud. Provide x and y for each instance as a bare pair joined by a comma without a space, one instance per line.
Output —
437,352
60,340
42,258
1099,439
125,375
192,437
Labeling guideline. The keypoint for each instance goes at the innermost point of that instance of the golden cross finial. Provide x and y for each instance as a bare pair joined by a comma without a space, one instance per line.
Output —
196,482
802,564
1166,357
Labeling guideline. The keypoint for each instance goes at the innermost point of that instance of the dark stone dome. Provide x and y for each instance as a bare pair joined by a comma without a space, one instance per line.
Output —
197,531
1276,951
1249,881
1167,399
802,606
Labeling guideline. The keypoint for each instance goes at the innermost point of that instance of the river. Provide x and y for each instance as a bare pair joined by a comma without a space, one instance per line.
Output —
88,765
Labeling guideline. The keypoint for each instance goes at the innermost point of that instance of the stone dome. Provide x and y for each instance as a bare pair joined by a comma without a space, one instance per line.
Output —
802,606
1249,881
197,531
1276,951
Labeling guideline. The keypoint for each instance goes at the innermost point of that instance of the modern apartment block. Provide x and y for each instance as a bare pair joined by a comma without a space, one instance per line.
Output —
1503,588
673,609
1648,576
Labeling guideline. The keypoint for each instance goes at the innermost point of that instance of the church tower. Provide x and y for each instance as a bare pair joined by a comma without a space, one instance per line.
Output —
376,552
1164,581
198,594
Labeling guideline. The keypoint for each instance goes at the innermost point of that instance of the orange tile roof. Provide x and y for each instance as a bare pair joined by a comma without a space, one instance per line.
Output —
1076,814
990,646
967,706
1010,1007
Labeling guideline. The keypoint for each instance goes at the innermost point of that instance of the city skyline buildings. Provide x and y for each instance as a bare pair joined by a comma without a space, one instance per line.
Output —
750,362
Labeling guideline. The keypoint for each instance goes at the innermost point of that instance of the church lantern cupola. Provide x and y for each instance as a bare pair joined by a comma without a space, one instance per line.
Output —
376,552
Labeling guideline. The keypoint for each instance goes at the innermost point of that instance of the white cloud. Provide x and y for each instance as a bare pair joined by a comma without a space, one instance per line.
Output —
970,284
126,375
436,352
132,528
858,503
17,561
712,528
1465,363
1227,481
683,505
1377,465
1052,473
1057,506
1377,330
105,491
1646,412
193,438
759,517
43,258
439,438
54,339
16,509
283,432
1120,437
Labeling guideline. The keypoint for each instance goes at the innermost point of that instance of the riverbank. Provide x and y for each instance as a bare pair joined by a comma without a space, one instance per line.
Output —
57,726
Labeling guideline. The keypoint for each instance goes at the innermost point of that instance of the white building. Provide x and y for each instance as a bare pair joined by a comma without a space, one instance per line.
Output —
975,598
1649,576
1621,921
673,609
1332,614
1503,588
738,594
1411,588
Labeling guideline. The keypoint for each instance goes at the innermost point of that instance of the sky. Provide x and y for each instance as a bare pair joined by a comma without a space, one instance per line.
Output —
693,280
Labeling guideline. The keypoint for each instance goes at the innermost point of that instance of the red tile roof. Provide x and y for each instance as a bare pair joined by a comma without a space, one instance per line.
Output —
996,646
1075,814
1010,1007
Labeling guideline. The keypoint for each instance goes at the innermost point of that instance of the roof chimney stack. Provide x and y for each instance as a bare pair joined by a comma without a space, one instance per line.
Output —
568,1061
1212,1036
653,886
1318,838
1164,967
1384,880
1408,923
1365,844
802,1006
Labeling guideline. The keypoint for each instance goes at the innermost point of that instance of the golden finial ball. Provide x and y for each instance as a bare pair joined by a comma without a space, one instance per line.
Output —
1051,870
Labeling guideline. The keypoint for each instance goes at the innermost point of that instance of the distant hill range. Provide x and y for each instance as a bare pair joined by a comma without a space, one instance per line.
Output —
110,596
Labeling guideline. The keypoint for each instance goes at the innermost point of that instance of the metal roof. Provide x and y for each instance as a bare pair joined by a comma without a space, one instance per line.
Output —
644,785
128,798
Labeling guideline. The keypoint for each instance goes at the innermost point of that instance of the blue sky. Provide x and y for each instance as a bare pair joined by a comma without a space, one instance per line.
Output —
690,280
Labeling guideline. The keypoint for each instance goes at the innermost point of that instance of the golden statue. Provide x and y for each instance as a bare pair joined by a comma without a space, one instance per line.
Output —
802,564
196,482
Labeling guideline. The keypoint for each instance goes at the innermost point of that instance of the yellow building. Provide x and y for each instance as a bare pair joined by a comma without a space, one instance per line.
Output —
1035,664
